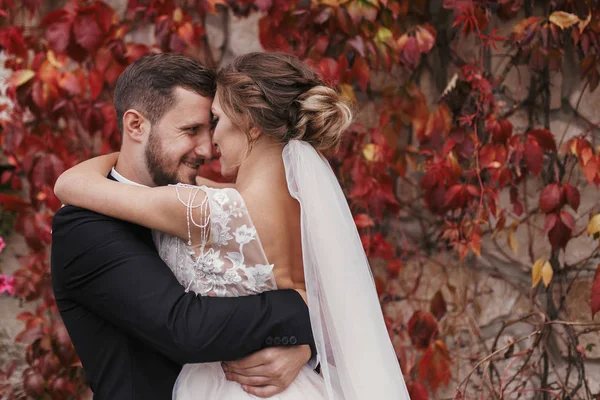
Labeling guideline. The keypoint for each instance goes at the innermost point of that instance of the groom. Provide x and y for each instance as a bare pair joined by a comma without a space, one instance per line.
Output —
133,325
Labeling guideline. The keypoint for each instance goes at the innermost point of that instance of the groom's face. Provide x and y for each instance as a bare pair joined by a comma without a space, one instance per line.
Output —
180,142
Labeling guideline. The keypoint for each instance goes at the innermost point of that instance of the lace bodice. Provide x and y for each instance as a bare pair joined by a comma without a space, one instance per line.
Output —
227,259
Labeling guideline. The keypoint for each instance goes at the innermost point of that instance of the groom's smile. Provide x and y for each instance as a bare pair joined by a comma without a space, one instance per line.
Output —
193,164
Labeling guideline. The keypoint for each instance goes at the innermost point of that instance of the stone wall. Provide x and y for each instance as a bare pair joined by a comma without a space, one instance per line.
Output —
481,293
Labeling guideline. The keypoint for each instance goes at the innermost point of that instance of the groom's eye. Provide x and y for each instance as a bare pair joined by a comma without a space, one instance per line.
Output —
192,130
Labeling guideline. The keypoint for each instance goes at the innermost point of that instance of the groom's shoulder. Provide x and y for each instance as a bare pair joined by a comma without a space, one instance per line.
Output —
72,214
72,220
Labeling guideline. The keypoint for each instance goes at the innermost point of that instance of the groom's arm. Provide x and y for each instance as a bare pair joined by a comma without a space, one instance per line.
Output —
103,266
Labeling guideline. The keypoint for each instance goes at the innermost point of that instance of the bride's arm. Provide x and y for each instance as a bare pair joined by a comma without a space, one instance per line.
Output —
159,208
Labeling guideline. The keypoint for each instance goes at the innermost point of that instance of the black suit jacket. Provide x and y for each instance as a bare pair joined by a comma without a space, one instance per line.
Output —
132,323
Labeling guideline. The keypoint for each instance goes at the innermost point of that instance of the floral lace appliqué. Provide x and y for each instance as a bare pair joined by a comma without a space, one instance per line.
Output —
229,260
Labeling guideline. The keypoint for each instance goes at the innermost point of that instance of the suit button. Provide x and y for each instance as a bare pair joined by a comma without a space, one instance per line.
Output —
293,340
269,341
285,341
277,341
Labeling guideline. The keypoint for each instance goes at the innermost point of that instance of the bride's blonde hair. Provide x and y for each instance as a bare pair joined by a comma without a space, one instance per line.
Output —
283,98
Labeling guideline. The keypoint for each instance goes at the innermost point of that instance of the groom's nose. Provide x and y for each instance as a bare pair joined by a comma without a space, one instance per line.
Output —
204,147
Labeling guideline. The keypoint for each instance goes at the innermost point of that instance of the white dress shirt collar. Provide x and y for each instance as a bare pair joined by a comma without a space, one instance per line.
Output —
122,179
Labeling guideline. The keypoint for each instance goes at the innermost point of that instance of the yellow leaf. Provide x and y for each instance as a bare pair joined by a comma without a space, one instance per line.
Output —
594,225
583,23
547,273
56,61
177,15
574,147
536,272
512,242
384,35
20,77
347,92
370,152
563,19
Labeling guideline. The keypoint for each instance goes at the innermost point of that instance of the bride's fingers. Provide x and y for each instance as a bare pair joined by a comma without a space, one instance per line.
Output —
248,380
261,357
263,391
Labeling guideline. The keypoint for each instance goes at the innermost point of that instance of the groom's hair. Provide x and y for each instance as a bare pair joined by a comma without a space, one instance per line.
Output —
147,85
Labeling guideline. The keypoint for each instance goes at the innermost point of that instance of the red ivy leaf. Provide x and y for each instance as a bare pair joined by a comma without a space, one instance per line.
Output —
344,21
534,157
572,195
363,221
96,81
435,365
550,199
501,130
329,69
58,29
70,83
422,329
87,32
417,391
380,247
105,16
560,234
568,220
453,197
394,267
28,336
13,203
545,139
590,169
550,222
379,285
361,72
25,316
473,190
438,305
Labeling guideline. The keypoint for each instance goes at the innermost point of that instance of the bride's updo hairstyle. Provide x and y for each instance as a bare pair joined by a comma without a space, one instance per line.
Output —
283,98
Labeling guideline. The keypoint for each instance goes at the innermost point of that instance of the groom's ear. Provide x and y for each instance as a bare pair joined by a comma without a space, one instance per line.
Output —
135,125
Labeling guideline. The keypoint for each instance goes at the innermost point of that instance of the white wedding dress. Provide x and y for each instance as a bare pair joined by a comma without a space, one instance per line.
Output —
357,359
228,261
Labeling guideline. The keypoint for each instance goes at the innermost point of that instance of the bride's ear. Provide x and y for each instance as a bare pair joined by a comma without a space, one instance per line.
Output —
135,125
255,133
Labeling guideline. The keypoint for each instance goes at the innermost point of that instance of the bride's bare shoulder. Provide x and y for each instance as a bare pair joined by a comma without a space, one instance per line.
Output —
269,202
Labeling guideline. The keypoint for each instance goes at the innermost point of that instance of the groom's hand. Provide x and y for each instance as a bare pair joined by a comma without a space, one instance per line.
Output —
270,371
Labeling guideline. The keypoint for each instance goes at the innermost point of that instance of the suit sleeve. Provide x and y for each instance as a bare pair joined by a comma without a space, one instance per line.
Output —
103,266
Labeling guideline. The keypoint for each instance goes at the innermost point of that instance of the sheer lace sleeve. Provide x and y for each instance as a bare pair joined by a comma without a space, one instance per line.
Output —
227,258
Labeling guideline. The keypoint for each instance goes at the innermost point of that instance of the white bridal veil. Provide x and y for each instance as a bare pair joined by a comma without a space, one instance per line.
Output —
357,357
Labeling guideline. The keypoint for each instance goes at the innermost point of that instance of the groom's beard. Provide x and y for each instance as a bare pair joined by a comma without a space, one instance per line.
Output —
156,164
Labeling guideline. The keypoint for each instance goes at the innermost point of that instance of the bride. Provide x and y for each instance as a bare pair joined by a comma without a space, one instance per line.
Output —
285,224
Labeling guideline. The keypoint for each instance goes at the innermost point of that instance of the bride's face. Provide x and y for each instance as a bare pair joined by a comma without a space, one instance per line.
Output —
230,140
